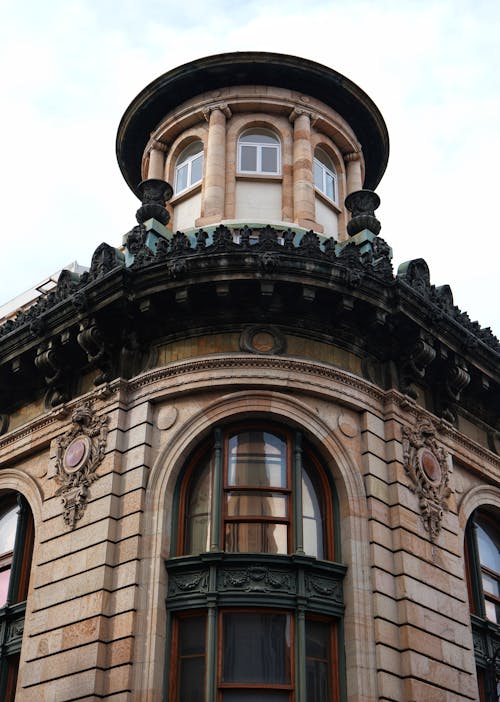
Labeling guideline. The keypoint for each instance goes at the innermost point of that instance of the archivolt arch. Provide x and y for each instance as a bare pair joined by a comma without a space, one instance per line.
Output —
336,459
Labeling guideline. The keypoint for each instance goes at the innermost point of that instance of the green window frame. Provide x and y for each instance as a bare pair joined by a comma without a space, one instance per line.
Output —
16,542
482,551
219,597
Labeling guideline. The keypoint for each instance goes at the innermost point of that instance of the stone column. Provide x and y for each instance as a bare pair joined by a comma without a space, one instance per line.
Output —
304,210
354,179
212,206
157,153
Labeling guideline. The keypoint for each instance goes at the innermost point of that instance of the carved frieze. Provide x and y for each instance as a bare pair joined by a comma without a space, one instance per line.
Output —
426,465
79,453
256,579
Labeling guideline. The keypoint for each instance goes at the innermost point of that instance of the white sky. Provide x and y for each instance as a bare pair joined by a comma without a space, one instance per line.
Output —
71,67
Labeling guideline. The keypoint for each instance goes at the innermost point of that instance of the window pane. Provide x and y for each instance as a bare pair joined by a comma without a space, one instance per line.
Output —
255,696
330,186
312,523
269,157
4,585
256,537
259,136
491,585
318,663
248,158
181,178
256,504
192,635
191,680
256,648
257,458
191,664
318,176
198,511
196,169
489,546
492,611
8,526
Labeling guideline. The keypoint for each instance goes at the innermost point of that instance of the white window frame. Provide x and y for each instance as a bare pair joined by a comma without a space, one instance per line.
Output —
325,171
259,145
188,161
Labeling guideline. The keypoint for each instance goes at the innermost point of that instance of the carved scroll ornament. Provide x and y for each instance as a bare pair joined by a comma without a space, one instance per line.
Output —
79,453
425,464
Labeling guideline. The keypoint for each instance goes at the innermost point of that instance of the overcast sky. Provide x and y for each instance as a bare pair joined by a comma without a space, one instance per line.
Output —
71,67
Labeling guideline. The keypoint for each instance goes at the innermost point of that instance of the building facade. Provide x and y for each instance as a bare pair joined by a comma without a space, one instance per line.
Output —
240,457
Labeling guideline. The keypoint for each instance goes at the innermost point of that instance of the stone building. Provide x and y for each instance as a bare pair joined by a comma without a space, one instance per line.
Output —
241,458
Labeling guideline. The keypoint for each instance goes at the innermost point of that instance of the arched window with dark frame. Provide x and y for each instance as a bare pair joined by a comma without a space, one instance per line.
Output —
482,550
16,547
255,538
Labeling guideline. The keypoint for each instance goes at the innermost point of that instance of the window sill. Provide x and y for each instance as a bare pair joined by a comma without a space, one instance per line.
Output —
185,194
259,176
324,198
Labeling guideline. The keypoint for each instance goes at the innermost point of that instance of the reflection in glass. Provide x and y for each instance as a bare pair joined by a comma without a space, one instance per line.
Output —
318,661
198,510
257,458
312,523
8,526
255,696
256,504
256,537
191,659
256,648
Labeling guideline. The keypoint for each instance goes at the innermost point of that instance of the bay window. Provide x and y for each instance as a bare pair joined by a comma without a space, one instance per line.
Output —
254,596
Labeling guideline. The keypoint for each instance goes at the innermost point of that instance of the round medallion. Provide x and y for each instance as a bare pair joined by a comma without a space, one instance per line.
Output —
430,465
263,341
76,454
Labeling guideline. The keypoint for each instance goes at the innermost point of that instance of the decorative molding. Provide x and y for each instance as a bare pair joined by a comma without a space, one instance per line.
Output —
425,463
79,453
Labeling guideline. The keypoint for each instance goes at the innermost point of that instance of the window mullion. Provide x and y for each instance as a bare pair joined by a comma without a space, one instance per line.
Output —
211,654
300,655
216,509
298,532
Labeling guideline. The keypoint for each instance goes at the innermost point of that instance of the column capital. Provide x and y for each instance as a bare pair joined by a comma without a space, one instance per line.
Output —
221,106
299,112
352,156
157,145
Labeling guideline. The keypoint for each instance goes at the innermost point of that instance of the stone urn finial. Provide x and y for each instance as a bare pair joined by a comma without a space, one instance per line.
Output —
362,205
154,193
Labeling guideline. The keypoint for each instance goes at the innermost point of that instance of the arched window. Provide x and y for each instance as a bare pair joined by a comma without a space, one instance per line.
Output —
254,597
259,151
325,176
483,579
260,511
16,545
189,167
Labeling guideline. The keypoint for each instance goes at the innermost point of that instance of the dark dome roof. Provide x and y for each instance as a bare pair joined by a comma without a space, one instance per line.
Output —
251,68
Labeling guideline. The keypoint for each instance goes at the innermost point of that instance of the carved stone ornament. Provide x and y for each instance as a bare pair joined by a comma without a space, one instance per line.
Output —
425,464
262,339
79,453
